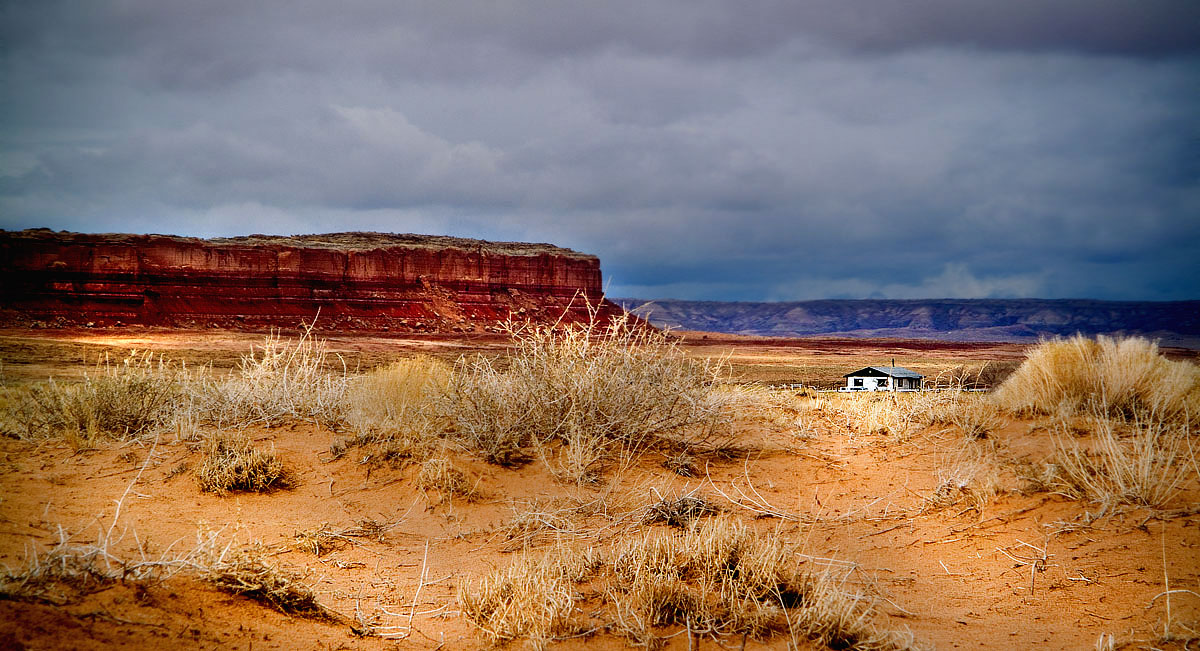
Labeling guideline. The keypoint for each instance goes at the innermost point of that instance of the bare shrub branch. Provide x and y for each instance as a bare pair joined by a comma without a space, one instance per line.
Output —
600,390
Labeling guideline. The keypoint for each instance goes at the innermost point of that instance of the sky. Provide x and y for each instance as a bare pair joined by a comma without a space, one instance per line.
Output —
703,149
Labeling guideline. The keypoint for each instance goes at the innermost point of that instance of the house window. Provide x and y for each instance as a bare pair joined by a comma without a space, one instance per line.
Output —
857,382
881,382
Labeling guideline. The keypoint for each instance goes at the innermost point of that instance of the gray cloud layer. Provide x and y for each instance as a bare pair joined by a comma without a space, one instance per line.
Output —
705,149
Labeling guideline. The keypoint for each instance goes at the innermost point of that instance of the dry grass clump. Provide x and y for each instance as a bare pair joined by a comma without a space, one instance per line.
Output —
1119,377
440,475
397,448
536,523
120,400
1140,406
581,457
599,389
232,463
1143,462
397,398
679,512
717,579
280,381
533,598
874,413
71,569
246,572
682,464
974,414
320,540
720,578
58,574
970,474
975,417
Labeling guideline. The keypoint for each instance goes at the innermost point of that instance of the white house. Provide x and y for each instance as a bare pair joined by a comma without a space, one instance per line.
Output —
883,378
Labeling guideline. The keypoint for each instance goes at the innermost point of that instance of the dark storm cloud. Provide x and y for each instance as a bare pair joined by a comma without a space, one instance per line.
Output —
706,149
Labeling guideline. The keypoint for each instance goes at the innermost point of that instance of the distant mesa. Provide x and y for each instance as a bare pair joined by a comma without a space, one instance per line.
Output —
357,281
1175,323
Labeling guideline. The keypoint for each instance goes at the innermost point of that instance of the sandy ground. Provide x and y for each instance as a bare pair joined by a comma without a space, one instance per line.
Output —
1022,571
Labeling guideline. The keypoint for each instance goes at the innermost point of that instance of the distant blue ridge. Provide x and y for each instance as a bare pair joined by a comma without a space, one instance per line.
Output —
1171,323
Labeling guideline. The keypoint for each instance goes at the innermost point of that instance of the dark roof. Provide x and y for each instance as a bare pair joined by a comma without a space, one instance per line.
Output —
885,371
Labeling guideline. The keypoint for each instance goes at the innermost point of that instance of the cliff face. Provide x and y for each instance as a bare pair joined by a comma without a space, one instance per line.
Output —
356,280
1021,320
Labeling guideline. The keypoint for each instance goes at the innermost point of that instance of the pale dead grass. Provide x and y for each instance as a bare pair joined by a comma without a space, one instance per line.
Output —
246,572
715,578
873,414
1138,406
969,474
536,523
974,414
282,380
1140,462
533,598
976,417
68,571
320,540
439,475
679,511
64,571
682,464
1116,377
116,400
722,579
580,459
232,463
899,415
604,391
397,398
393,412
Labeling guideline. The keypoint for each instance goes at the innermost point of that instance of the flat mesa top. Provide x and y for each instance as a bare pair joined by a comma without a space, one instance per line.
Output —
350,241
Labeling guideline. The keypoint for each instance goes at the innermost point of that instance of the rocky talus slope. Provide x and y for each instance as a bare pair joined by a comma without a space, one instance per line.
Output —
355,281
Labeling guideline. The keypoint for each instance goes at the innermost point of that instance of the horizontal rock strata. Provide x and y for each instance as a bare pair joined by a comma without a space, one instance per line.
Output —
368,281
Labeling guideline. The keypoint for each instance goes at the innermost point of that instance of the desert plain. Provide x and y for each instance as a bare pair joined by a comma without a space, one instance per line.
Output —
936,517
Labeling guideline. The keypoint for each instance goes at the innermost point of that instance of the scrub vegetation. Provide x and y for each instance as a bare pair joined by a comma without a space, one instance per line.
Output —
652,508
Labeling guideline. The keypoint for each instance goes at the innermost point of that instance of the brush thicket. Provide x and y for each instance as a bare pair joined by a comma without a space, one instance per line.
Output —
602,389
117,400
280,381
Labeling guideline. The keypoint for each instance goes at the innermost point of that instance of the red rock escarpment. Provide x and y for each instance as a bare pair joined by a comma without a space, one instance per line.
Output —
369,281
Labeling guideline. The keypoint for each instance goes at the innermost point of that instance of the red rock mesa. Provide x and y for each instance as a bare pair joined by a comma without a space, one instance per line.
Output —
358,281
